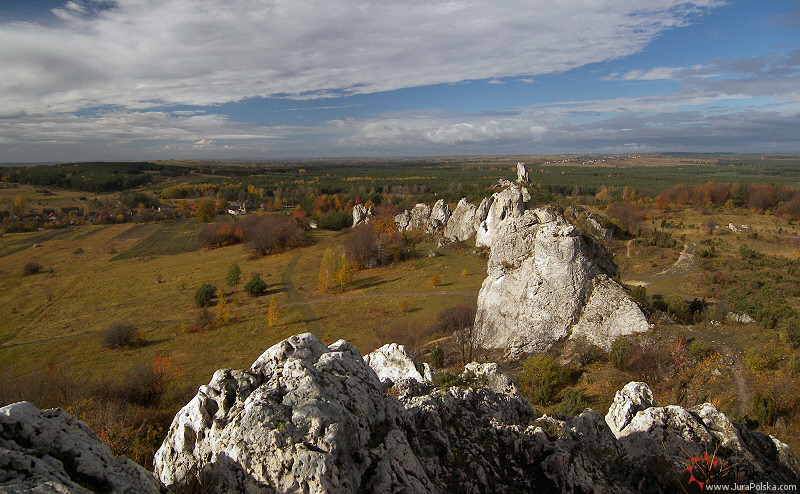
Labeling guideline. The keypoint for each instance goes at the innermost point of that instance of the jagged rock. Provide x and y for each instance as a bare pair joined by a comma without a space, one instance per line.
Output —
504,208
361,215
522,173
416,219
438,218
628,401
312,418
304,418
402,220
393,362
546,282
646,431
740,318
461,225
50,451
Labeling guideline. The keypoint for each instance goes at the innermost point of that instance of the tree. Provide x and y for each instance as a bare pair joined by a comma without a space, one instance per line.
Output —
327,271
120,334
255,286
222,310
272,312
206,209
344,272
204,294
19,204
234,275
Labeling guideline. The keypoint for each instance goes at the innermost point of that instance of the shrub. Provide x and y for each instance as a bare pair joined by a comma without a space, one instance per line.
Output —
204,294
255,286
543,374
572,401
220,235
435,280
618,352
796,365
700,350
765,408
270,234
31,268
452,319
790,328
370,245
437,355
760,362
120,334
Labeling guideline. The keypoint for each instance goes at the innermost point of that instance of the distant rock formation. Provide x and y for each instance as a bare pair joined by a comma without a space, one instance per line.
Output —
422,216
522,173
501,211
50,451
546,282
311,418
361,215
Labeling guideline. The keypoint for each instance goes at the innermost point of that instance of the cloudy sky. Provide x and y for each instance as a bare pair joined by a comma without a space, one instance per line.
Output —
261,79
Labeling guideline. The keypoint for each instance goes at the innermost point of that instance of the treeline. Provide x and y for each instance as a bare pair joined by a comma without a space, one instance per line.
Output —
91,177
780,199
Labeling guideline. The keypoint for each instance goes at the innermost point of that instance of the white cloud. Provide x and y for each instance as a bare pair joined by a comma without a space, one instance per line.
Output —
146,53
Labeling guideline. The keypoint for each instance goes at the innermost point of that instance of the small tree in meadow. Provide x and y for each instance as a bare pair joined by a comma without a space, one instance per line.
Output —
255,286
327,271
204,294
272,312
344,272
234,275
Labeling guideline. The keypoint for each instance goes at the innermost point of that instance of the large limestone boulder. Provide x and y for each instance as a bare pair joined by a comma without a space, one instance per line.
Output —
503,209
304,418
546,282
439,217
392,362
647,431
522,173
461,225
50,451
361,215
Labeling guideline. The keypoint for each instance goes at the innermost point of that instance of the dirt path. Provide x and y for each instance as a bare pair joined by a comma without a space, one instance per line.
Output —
683,265
308,316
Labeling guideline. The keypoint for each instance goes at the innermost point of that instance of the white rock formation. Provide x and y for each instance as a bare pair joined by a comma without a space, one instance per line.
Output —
546,282
461,225
361,215
501,211
522,173
304,418
438,218
740,318
50,451
393,362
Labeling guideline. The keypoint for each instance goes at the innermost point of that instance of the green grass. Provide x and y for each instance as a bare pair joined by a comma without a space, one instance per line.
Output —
167,239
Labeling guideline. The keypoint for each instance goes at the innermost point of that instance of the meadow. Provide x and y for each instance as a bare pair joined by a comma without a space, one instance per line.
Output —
681,255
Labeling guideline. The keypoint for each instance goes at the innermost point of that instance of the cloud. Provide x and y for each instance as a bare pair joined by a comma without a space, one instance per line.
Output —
148,53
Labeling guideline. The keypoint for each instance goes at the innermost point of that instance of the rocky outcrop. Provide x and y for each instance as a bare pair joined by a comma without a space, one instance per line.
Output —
51,451
361,215
501,212
462,223
393,363
312,418
522,173
547,282
423,217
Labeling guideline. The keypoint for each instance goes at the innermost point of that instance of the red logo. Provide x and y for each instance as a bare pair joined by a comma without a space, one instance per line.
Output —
704,468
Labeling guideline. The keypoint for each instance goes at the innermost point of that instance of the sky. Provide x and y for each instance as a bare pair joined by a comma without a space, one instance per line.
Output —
87,80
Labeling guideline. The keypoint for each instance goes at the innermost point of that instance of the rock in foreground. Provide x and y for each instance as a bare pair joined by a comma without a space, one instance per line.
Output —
50,451
311,418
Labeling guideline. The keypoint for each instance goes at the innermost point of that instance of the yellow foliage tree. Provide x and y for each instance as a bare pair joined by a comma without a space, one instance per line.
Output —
19,204
222,310
344,272
327,271
272,312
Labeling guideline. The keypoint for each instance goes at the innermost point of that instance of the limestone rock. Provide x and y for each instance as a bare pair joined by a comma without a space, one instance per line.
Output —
393,362
522,173
304,418
739,318
546,282
361,215
461,225
438,218
402,220
628,401
52,451
505,207
495,379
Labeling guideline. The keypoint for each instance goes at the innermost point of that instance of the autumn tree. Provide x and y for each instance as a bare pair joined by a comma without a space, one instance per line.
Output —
344,272
206,209
272,312
327,271
19,204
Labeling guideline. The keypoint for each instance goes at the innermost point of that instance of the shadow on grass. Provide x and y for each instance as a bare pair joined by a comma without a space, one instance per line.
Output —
372,281
310,320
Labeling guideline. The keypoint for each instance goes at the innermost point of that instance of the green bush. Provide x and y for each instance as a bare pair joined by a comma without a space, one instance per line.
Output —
572,401
790,328
678,308
31,268
437,355
234,275
796,365
699,350
765,408
255,286
543,375
204,294
761,362
618,352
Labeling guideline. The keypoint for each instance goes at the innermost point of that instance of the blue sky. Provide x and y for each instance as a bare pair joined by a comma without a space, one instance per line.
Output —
266,79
